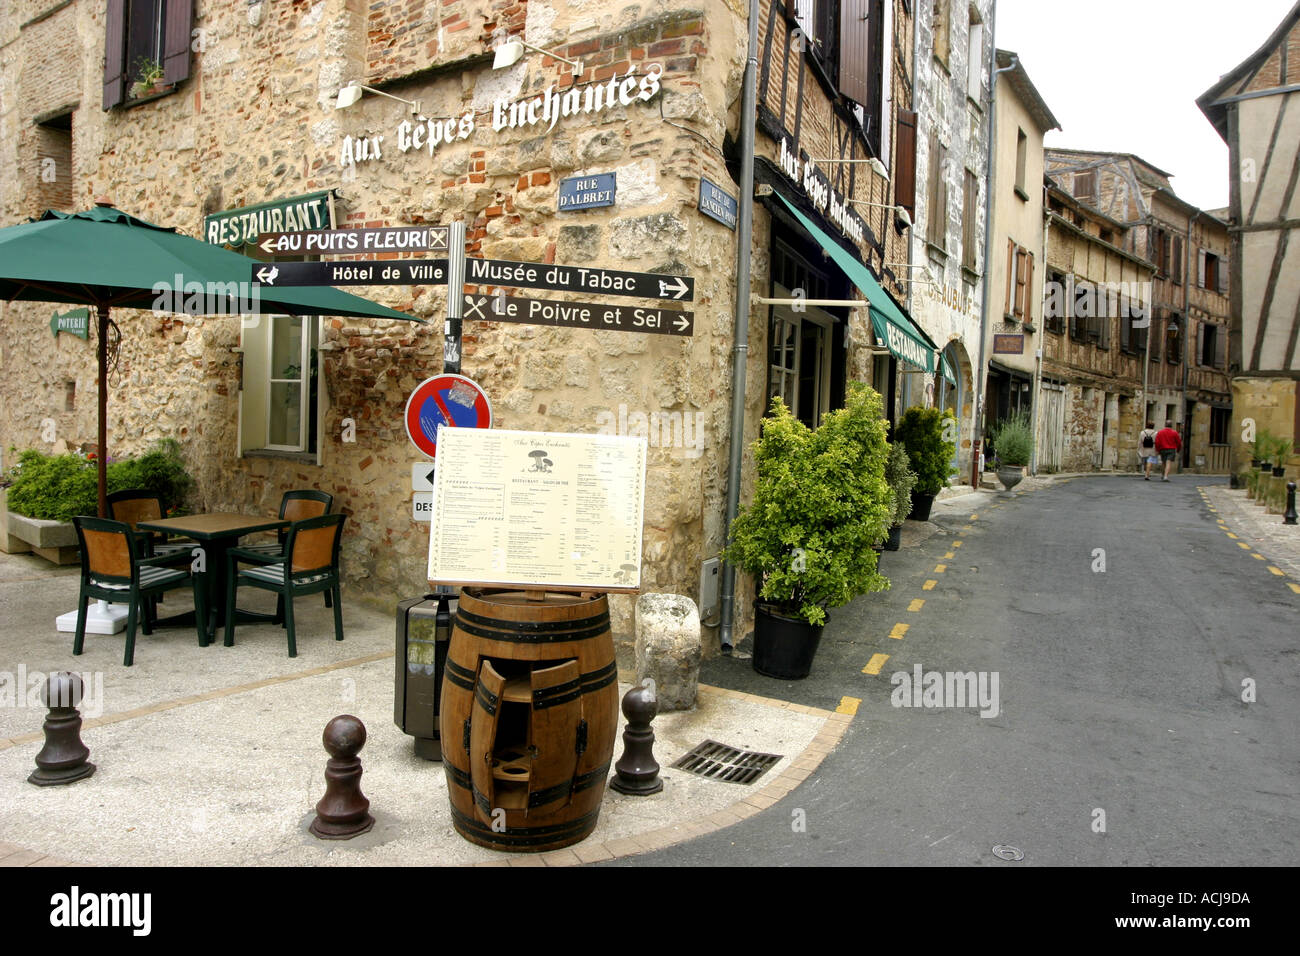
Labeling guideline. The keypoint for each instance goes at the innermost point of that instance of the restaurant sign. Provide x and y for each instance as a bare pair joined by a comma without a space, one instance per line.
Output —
234,227
805,174
74,321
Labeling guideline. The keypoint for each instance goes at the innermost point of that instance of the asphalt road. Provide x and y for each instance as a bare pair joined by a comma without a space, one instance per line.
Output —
1121,737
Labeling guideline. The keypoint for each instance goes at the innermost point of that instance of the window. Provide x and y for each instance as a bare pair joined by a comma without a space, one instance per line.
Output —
1022,158
1220,418
1132,341
54,167
1212,273
1174,341
817,20
1020,283
806,353
1154,339
138,30
970,218
941,27
975,56
936,227
1085,186
1054,303
1210,342
862,50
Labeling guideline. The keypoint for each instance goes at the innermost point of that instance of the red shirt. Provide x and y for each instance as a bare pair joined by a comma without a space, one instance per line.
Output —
1167,439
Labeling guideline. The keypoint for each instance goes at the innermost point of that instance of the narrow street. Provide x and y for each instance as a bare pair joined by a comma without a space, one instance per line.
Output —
1119,691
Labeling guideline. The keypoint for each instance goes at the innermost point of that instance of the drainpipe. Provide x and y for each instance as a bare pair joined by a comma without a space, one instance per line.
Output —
1035,395
740,351
1187,334
982,372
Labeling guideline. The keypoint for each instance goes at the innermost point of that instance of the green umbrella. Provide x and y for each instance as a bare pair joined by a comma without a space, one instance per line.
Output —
104,257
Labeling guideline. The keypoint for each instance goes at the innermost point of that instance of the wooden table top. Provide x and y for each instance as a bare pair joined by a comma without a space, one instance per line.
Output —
206,527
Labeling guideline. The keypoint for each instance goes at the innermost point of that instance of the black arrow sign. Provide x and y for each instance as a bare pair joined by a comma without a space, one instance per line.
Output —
540,275
387,272
579,315
351,242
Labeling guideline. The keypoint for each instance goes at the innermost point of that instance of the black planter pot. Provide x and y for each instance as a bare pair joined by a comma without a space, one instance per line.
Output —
784,647
895,539
1265,465
921,505
1279,472
1254,463
1010,476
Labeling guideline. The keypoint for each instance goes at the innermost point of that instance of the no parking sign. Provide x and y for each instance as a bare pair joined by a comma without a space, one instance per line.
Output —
445,399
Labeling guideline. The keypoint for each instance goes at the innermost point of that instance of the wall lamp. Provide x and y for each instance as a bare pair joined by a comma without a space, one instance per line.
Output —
509,52
902,215
876,165
352,92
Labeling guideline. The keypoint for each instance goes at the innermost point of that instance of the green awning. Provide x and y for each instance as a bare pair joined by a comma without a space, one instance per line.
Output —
235,227
891,324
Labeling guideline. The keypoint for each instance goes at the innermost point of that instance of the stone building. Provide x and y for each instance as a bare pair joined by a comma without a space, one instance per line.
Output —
1097,293
1254,108
243,136
1016,298
954,51
1186,379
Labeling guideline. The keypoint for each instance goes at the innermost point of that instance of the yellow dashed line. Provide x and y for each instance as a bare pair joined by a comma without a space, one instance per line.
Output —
1278,571
848,705
916,605
956,544
940,568
1293,586
1231,535
1212,510
899,630
1243,544
974,517
1257,557
877,661
928,585
949,556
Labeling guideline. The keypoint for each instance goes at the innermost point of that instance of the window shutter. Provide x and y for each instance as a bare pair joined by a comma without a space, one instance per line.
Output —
1200,269
1200,343
1220,343
177,22
1153,334
905,162
1011,279
115,54
1223,276
1029,287
1176,267
855,50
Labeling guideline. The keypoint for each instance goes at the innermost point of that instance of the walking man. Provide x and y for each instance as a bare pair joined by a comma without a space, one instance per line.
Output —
1147,450
1168,444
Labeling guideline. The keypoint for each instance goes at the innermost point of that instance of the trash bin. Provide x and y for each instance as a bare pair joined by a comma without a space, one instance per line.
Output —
423,635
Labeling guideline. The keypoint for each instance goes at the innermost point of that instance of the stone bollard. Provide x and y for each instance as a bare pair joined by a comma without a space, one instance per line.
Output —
63,758
341,813
1289,516
637,771
668,648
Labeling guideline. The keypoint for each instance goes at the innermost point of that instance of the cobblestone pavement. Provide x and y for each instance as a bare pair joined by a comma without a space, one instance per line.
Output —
1278,542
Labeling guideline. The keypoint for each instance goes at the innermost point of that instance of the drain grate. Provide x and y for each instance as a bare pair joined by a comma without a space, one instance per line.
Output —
720,762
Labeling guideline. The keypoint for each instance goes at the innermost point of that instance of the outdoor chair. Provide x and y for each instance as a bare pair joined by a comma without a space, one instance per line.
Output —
139,504
309,565
113,570
295,506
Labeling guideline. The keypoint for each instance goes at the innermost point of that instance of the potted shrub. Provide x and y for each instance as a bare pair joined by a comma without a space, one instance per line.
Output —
820,503
925,433
148,78
901,479
1280,451
1013,440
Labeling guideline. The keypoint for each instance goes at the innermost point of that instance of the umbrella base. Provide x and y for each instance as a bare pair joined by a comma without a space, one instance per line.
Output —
101,618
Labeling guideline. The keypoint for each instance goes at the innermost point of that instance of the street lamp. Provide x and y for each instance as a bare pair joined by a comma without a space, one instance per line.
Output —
353,92
509,53
904,218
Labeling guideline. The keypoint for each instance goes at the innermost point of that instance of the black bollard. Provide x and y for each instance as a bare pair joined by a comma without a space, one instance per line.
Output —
1289,517
342,813
63,758
637,771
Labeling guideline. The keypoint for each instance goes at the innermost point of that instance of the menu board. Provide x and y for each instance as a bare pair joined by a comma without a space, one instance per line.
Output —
537,509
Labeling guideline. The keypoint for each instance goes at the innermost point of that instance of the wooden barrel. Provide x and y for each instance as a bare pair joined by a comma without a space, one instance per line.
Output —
529,714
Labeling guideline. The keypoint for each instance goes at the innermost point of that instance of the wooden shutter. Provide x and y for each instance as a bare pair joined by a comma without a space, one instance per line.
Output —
856,66
1200,343
1220,347
905,162
1176,267
1200,269
1011,278
1029,287
178,20
1223,276
115,54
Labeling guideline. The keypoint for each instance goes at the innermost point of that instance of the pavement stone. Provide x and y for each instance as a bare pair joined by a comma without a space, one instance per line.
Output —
1278,542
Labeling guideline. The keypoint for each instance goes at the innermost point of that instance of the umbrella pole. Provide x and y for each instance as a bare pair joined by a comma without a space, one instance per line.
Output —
101,457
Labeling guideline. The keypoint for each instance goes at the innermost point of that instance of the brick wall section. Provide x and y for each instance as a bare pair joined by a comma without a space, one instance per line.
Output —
408,36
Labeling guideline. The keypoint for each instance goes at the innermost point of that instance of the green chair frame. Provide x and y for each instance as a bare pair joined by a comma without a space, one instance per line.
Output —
145,578
304,572
295,505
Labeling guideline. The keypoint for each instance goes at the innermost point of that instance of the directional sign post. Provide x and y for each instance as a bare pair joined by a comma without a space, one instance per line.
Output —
388,272
579,315
455,301
540,275
345,242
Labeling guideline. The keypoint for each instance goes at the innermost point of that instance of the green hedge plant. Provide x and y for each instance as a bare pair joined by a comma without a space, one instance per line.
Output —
922,433
59,487
1013,440
820,502
901,480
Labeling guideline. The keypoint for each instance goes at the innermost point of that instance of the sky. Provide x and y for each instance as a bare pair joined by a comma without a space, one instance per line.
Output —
1123,75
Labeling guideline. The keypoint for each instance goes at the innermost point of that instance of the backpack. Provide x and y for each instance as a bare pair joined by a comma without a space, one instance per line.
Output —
1148,440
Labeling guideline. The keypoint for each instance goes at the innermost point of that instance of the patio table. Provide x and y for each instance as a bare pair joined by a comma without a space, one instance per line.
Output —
218,532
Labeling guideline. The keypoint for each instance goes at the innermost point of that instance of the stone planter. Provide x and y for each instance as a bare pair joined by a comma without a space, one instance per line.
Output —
53,540
1011,475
